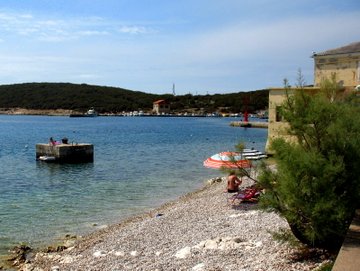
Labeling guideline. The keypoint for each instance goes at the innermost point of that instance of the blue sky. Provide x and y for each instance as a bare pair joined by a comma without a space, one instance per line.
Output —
203,46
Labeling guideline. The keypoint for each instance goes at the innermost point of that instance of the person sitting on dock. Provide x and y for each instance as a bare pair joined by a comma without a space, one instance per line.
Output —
233,183
52,142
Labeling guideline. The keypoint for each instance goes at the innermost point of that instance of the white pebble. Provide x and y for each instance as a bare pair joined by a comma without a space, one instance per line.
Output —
158,253
183,253
211,244
67,259
99,253
119,253
198,267
134,253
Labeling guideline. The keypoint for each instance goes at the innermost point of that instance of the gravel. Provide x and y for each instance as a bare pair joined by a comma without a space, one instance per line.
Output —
199,231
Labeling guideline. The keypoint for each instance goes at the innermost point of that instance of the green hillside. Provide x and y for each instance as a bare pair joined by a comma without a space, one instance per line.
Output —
81,97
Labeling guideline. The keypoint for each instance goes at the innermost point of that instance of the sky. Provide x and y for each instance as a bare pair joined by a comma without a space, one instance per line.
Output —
199,46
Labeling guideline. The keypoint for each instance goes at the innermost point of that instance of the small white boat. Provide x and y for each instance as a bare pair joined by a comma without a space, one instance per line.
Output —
47,158
252,154
91,113
255,157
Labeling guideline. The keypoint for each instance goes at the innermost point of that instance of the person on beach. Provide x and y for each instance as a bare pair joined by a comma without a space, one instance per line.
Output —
233,183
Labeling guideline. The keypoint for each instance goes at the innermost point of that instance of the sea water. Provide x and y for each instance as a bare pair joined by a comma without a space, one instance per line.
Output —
139,163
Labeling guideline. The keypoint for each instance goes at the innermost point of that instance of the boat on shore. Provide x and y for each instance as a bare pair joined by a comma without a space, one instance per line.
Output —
47,158
252,154
90,113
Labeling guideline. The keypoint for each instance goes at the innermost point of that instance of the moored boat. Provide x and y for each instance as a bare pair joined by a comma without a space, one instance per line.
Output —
90,113
47,158
252,154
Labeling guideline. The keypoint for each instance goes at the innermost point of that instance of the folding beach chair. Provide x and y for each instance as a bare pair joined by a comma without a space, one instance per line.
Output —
246,195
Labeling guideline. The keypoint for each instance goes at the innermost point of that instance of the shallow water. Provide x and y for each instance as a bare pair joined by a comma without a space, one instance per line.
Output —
139,163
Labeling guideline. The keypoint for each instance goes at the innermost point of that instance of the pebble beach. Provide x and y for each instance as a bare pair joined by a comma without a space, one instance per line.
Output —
199,231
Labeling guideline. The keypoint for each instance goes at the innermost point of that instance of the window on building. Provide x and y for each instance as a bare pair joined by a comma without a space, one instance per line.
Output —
278,114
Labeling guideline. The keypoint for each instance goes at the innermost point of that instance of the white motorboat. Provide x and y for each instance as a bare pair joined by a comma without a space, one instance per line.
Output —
91,113
47,158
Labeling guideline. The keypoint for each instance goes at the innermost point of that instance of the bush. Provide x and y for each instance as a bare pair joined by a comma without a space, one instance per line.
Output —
316,186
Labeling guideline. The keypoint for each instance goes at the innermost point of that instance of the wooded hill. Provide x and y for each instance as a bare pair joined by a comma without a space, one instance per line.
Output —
81,97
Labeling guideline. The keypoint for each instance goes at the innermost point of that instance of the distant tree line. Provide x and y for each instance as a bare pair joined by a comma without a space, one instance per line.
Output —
81,97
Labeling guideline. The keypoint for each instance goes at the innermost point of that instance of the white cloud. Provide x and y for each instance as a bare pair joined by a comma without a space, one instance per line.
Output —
97,50
58,30
93,33
279,39
135,29
53,37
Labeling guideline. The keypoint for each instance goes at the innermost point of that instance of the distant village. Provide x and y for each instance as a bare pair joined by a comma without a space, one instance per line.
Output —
163,108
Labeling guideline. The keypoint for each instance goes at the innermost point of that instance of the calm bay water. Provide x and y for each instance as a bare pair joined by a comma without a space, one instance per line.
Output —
139,163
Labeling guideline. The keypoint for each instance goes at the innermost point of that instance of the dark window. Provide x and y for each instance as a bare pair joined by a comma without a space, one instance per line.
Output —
278,114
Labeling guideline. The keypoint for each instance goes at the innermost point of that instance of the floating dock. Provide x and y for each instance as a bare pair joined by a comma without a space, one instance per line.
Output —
65,153
255,124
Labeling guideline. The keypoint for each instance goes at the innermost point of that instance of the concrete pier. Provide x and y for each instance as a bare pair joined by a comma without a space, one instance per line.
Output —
249,124
65,153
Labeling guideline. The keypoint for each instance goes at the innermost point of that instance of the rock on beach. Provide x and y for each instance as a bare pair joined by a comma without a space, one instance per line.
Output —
199,231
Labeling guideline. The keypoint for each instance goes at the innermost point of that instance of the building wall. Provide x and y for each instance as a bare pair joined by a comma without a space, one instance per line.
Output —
345,66
277,126
159,108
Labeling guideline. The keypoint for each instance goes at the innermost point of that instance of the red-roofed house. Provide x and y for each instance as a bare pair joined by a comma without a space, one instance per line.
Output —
160,107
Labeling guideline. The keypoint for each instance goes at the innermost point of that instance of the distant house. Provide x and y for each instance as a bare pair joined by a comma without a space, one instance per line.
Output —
343,62
161,107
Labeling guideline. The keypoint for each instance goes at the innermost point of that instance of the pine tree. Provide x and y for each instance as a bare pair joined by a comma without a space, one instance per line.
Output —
316,185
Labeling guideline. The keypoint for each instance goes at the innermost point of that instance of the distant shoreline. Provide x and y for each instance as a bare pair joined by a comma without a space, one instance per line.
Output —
68,112
41,112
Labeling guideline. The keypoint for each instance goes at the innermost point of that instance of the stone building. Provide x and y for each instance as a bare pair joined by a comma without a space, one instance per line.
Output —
277,127
161,107
343,62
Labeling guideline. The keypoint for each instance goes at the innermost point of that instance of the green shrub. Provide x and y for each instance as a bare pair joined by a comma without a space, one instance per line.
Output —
316,186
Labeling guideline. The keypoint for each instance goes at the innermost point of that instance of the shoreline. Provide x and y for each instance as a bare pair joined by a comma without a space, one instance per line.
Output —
198,231
35,112
69,113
